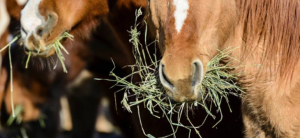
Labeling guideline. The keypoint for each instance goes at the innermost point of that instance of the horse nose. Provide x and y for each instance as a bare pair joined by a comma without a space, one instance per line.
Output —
23,30
185,89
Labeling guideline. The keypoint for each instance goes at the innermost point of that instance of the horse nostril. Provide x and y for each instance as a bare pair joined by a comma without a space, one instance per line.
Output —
198,73
163,78
24,30
49,16
39,32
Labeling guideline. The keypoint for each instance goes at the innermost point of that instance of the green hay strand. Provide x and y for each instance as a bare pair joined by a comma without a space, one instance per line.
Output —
18,118
58,46
218,83
28,58
18,115
24,133
11,72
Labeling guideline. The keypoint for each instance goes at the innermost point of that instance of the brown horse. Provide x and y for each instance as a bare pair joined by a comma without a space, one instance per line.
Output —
266,33
100,33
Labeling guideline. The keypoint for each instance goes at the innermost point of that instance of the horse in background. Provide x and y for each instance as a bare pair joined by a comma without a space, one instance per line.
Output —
92,26
29,90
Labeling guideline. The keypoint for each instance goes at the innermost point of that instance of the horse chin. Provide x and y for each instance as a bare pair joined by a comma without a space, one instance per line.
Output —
179,98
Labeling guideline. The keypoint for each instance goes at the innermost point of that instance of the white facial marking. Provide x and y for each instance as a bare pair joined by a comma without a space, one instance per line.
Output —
181,12
30,17
21,2
4,17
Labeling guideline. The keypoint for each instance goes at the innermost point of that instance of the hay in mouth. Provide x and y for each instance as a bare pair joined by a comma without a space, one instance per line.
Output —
58,47
217,85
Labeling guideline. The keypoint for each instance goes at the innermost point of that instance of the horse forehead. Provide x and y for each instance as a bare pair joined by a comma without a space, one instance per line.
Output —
181,13
32,6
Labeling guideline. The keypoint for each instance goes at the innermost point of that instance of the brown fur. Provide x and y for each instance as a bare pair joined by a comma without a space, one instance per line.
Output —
267,32
271,38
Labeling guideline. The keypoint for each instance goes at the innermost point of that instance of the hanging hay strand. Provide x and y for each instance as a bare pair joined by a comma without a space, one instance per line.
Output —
217,85
11,73
58,46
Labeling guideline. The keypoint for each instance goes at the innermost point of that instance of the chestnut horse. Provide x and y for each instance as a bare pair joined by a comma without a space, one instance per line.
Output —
99,34
266,33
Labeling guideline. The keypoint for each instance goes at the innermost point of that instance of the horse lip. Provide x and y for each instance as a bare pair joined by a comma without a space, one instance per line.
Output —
40,54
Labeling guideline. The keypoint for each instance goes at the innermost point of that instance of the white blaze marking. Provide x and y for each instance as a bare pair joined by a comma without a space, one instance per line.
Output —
4,17
21,2
181,12
30,17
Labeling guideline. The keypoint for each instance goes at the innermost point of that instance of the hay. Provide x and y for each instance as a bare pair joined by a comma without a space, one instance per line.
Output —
11,72
19,109
217,84
58,47
18,118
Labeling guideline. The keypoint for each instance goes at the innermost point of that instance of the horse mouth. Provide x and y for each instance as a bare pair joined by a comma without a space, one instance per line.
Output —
38,53
41,47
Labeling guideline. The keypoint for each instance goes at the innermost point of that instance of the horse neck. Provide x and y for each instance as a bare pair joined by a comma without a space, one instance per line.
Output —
267,43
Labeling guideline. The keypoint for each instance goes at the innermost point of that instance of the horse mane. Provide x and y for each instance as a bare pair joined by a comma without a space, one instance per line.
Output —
274,26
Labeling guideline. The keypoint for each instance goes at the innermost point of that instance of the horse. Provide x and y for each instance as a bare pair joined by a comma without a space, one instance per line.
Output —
29,91
265,36
98,36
